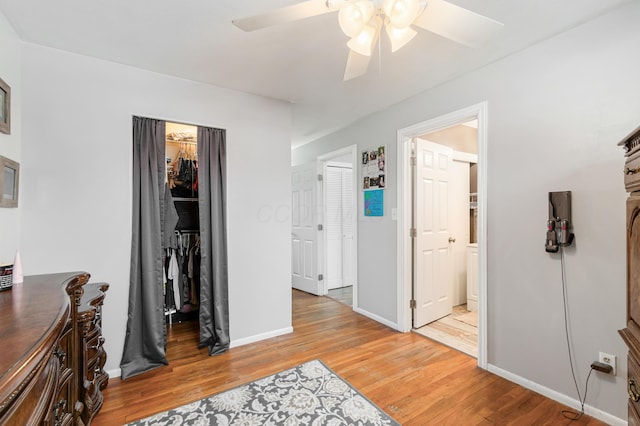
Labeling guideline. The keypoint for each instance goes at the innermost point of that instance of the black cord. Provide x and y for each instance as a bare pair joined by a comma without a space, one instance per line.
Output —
571,415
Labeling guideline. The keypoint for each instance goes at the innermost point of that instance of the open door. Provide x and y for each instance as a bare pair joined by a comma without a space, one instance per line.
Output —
433,261
304,232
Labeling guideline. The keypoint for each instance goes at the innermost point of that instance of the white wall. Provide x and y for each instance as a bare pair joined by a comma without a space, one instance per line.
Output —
77,178
10,144
556,113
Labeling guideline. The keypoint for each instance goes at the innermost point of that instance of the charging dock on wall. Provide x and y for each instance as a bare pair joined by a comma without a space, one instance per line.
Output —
559,223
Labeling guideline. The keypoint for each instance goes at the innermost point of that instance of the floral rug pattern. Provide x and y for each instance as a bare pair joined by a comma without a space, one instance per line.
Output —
309,394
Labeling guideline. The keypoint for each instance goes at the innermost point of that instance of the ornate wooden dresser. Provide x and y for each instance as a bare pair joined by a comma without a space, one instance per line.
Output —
52,362
631,334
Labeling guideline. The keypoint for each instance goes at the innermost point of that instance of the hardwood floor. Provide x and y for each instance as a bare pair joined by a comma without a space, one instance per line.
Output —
414,379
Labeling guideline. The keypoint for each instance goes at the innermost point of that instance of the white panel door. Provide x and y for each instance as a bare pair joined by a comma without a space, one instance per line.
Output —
433,255
339,227
304,232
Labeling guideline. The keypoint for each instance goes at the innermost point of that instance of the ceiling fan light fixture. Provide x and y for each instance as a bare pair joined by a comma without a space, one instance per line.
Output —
353,17
363,42
401,13
399,36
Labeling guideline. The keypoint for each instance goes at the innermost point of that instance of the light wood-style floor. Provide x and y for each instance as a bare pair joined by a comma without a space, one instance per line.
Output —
414,379
459,330
342,295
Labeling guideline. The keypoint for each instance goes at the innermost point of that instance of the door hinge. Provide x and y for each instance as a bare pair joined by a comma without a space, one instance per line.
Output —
412,303
413,233
320,277
319,227
320,178
413,161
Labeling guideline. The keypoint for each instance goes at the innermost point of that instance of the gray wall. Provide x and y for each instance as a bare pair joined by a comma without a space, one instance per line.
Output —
10,144
556,113
77,179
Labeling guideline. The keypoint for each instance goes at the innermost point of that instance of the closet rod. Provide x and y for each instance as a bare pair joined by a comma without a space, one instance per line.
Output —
187,142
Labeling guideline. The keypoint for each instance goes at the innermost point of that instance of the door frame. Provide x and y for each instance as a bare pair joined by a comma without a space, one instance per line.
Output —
405,204
323,160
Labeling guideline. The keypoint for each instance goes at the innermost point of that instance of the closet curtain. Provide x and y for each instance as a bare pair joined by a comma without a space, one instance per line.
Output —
145,340
214,300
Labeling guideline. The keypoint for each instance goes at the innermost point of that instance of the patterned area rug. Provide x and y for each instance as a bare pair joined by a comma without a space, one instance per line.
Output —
309,394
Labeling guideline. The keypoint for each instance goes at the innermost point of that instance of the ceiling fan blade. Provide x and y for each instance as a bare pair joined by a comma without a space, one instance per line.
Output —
457,23
306,9
357,65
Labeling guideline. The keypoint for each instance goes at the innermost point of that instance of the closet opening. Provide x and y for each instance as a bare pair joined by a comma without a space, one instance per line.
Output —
181,257
178,242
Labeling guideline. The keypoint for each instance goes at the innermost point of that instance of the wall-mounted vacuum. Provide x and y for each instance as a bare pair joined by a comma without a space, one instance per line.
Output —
559,224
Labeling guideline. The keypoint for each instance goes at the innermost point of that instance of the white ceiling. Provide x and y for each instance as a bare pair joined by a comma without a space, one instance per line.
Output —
301,62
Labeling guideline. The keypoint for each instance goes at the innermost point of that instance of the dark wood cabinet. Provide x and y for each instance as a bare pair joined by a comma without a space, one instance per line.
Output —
631,333
52,366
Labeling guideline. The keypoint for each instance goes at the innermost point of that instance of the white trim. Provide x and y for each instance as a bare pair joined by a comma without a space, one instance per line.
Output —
465,157
115,373
259,337
324,160
339,164
589,410
377,318
404,260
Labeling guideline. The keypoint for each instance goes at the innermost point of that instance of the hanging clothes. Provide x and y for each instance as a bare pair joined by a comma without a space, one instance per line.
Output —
171,219
184,173
174,275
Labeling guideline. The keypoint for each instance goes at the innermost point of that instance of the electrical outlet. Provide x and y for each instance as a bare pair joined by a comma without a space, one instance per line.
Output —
609,360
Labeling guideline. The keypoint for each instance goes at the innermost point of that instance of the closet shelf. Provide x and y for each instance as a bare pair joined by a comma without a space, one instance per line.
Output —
181,142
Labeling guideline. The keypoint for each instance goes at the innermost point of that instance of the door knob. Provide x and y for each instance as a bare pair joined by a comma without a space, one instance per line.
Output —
452,240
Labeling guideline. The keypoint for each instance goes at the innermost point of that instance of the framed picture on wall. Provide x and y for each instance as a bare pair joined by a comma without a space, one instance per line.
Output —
373,169
5,107
9,179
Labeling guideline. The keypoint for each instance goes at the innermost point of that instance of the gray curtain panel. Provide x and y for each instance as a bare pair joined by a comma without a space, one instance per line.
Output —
145,341
214,299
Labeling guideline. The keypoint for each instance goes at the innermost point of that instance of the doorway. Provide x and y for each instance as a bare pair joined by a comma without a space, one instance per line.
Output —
444,220
339,229
324,226
406,302
339,256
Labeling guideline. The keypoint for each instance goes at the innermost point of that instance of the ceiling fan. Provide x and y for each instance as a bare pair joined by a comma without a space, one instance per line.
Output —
362,21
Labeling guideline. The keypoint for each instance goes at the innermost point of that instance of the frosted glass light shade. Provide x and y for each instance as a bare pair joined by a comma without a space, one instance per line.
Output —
401,13
399,36
353,16
363,42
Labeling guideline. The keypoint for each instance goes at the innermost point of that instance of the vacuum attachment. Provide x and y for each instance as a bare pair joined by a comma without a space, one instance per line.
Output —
559,223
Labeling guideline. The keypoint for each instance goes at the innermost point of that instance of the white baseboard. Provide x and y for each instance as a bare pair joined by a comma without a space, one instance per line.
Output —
557,396
377,318
116,372
258,337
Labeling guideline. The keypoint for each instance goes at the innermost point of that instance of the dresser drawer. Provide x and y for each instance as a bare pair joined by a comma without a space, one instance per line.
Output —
632,172
633,383
634,420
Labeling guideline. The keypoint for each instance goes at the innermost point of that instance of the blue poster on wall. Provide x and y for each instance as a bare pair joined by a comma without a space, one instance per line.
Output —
374,203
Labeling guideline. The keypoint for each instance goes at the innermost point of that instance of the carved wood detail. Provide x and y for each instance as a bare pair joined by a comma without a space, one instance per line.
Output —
52,377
